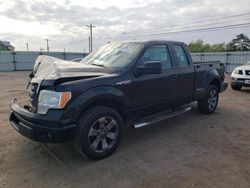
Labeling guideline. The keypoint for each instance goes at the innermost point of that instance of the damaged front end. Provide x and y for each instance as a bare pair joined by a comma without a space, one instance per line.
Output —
43,118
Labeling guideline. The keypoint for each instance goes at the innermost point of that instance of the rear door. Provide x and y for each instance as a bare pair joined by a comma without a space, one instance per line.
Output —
185,73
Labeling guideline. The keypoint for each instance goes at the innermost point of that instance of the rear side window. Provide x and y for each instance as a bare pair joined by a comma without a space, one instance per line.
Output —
181,55
157,53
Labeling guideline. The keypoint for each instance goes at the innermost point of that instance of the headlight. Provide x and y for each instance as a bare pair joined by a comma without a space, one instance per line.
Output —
236,71
50,99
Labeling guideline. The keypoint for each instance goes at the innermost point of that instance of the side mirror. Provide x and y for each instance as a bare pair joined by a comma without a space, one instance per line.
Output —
149,67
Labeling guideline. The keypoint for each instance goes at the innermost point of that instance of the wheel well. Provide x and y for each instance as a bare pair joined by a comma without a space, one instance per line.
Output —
216,82
109,102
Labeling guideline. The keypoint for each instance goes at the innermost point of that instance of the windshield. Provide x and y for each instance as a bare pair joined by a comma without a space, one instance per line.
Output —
113,55
248,63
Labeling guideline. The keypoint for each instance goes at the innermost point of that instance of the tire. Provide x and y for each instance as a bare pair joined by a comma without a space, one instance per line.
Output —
235,87
208,104
99,132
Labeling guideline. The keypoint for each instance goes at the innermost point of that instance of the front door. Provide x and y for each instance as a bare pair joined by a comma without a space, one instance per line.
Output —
152,92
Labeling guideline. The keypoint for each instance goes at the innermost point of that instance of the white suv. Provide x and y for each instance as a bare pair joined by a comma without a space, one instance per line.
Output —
241,77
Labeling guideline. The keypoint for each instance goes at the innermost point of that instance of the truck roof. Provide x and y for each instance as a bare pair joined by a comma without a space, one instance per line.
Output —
146,42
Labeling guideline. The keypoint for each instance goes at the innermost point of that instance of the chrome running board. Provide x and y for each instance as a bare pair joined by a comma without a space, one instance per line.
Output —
159,117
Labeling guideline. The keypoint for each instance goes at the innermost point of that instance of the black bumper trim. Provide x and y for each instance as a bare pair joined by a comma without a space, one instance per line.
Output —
39,132
240,83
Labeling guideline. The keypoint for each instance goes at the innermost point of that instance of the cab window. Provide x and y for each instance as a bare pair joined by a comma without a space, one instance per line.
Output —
181,56
157,53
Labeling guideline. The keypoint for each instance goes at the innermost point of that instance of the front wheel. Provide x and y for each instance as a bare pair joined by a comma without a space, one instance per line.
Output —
208,104
99,132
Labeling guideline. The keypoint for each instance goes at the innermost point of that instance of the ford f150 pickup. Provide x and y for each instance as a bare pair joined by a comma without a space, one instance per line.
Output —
139,83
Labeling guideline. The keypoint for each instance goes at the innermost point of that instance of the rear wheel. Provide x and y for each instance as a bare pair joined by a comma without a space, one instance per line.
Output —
99,132
235,87
208,104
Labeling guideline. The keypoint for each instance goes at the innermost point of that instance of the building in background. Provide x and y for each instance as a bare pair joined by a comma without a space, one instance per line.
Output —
6,46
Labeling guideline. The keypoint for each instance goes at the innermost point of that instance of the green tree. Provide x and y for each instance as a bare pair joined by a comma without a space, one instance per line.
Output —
240,43
218,47
3,48
200,46
196,46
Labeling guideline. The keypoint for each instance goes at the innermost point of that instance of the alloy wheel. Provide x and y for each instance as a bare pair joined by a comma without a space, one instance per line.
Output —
103,134
213,99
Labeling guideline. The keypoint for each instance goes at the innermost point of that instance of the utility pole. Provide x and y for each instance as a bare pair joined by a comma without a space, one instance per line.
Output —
89,44
47,40
64,53
27,46
91,36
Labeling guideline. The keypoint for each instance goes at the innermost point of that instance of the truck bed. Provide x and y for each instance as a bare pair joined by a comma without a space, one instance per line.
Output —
202,69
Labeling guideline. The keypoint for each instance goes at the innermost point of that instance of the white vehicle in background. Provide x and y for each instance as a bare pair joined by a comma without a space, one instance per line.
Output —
240,77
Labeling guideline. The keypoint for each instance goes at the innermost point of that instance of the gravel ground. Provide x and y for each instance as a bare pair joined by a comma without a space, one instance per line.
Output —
191,150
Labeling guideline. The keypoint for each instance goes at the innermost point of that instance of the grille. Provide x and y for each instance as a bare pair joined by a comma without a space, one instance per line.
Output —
248,72
240,79
33,95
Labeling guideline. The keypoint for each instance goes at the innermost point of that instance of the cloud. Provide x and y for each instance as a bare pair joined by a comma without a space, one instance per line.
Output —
65,21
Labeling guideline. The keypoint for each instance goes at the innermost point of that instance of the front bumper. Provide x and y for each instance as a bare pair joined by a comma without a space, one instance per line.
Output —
240,82
41,128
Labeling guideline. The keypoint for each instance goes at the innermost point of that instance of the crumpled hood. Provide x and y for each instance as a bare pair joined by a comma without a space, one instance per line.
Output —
51,68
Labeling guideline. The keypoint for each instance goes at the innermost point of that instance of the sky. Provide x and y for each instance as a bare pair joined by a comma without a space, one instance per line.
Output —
64,22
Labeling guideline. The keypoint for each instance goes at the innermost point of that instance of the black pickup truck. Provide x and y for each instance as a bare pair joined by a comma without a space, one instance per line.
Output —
135,83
